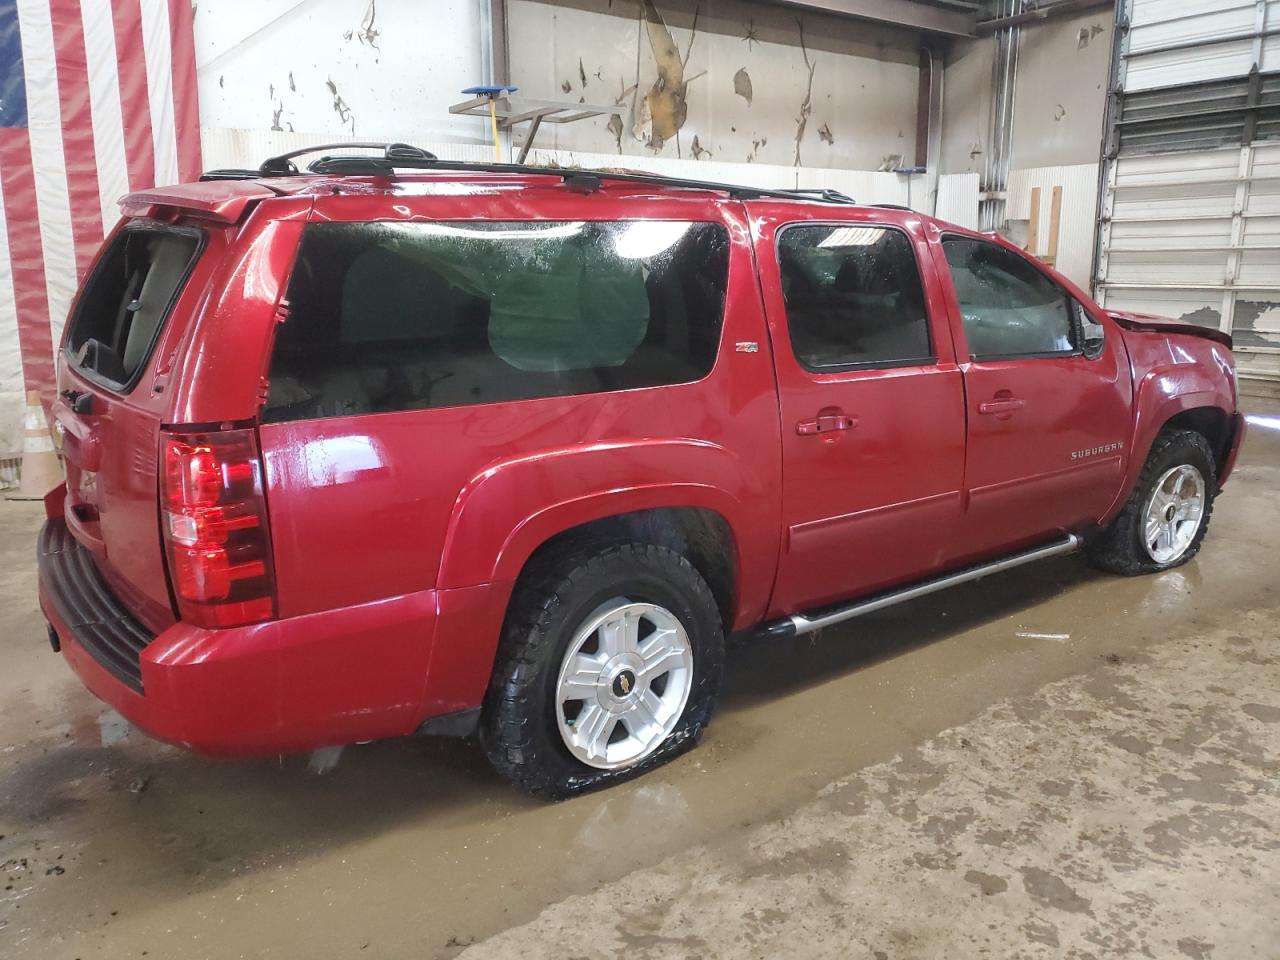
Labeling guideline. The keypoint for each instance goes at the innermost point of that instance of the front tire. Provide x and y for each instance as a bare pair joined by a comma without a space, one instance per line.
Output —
610,664
1164,522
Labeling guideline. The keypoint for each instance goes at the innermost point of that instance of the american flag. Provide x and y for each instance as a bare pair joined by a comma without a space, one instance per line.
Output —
97,98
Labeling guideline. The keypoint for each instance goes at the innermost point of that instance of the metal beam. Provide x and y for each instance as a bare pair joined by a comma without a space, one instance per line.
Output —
1031,17
499,55
913,14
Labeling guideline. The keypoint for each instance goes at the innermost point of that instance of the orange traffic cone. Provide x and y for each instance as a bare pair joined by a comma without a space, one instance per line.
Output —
41,470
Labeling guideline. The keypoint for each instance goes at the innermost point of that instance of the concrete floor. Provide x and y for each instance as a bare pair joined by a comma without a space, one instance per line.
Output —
933,781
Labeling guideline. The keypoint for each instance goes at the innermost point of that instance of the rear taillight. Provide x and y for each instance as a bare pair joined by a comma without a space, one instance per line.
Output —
214,521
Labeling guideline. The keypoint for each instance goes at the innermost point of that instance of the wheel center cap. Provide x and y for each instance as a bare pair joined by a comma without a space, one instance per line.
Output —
623,684
1170,512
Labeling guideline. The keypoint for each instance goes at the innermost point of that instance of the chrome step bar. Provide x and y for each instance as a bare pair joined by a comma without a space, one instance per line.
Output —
801,623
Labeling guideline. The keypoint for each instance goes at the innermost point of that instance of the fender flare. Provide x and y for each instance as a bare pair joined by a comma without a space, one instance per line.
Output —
512,507
1163,393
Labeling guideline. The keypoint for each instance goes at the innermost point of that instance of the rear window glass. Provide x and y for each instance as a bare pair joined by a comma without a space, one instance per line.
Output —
391,316
127,299
853,297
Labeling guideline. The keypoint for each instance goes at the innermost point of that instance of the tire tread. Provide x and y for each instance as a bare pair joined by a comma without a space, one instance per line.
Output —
1117,548
507,729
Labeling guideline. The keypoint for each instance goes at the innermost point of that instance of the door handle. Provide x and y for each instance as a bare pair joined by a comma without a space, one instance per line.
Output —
826,423
1002,405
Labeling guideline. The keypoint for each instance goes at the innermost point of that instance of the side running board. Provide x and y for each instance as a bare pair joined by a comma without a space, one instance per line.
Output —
808,623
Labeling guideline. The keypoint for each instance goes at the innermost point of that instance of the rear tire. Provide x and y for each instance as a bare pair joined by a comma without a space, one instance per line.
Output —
1164,522
610,664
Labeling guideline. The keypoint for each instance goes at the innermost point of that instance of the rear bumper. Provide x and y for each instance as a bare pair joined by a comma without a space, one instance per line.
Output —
355,673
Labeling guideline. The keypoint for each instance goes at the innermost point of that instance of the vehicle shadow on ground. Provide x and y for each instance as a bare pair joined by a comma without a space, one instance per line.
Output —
764,670
165,809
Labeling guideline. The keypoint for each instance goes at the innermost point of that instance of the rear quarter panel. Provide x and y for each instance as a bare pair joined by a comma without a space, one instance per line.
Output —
111,454
383,505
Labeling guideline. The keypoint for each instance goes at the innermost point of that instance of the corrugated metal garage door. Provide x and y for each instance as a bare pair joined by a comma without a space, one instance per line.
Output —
1190,223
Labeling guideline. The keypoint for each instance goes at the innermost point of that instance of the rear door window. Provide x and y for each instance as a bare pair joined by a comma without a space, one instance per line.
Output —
853,297
127,299
410,316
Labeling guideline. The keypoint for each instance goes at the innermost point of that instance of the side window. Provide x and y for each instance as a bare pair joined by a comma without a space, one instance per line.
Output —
1010,308
853,297
126,302
409,316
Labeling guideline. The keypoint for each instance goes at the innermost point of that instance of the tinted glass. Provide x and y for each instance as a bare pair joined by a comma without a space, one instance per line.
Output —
853,297
389,316
127,300
1010,308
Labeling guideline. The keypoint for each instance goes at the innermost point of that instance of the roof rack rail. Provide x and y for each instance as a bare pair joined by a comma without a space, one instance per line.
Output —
405,156
822,193
230,173
891,206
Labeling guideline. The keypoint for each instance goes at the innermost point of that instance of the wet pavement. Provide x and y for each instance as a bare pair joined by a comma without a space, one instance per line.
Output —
1050,762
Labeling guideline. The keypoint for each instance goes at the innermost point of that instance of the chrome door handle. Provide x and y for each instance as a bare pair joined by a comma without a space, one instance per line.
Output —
1003,405
826,423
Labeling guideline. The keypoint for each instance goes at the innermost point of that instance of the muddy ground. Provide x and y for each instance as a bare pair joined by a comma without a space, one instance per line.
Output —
1051,762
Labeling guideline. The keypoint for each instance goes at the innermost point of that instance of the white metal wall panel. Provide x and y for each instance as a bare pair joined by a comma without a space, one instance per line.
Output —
1079,184
958,199
1190,222
1209,39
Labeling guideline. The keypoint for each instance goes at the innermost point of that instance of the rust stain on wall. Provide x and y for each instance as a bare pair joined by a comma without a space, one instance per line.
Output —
665,107
615,121
665,103
742,84
368,33
806,105
340,106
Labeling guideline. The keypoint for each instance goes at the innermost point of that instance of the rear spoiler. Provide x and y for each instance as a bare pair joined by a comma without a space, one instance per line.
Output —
223,201
1147,323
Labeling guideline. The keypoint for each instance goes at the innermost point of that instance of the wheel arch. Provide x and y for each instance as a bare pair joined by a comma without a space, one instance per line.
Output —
639,490
1182,395
701,535
1212,423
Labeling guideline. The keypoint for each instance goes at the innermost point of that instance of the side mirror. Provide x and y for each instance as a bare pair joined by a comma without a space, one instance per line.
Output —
1093,335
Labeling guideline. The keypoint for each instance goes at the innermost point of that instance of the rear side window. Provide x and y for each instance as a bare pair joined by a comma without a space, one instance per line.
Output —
853,297
127,299
1010,309
393,316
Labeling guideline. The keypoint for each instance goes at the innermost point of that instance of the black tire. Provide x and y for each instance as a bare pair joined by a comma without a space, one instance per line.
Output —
518,726
1119,548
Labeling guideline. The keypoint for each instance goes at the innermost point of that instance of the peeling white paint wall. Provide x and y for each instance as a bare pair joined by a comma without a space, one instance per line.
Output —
1059,101
374,69
966,105
745,73
1059,95
1061,92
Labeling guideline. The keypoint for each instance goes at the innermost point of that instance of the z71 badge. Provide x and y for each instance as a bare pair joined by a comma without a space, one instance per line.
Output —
1094,451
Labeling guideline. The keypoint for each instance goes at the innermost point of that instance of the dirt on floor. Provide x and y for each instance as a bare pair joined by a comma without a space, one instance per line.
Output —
1051,762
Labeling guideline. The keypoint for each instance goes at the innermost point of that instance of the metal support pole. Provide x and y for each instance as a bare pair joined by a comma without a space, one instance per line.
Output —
534,124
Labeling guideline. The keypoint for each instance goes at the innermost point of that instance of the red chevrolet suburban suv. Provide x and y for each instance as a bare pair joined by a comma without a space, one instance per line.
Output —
395,444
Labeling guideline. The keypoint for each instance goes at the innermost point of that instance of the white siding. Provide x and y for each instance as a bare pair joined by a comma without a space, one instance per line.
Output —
1076,228
1209,26
1196,233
